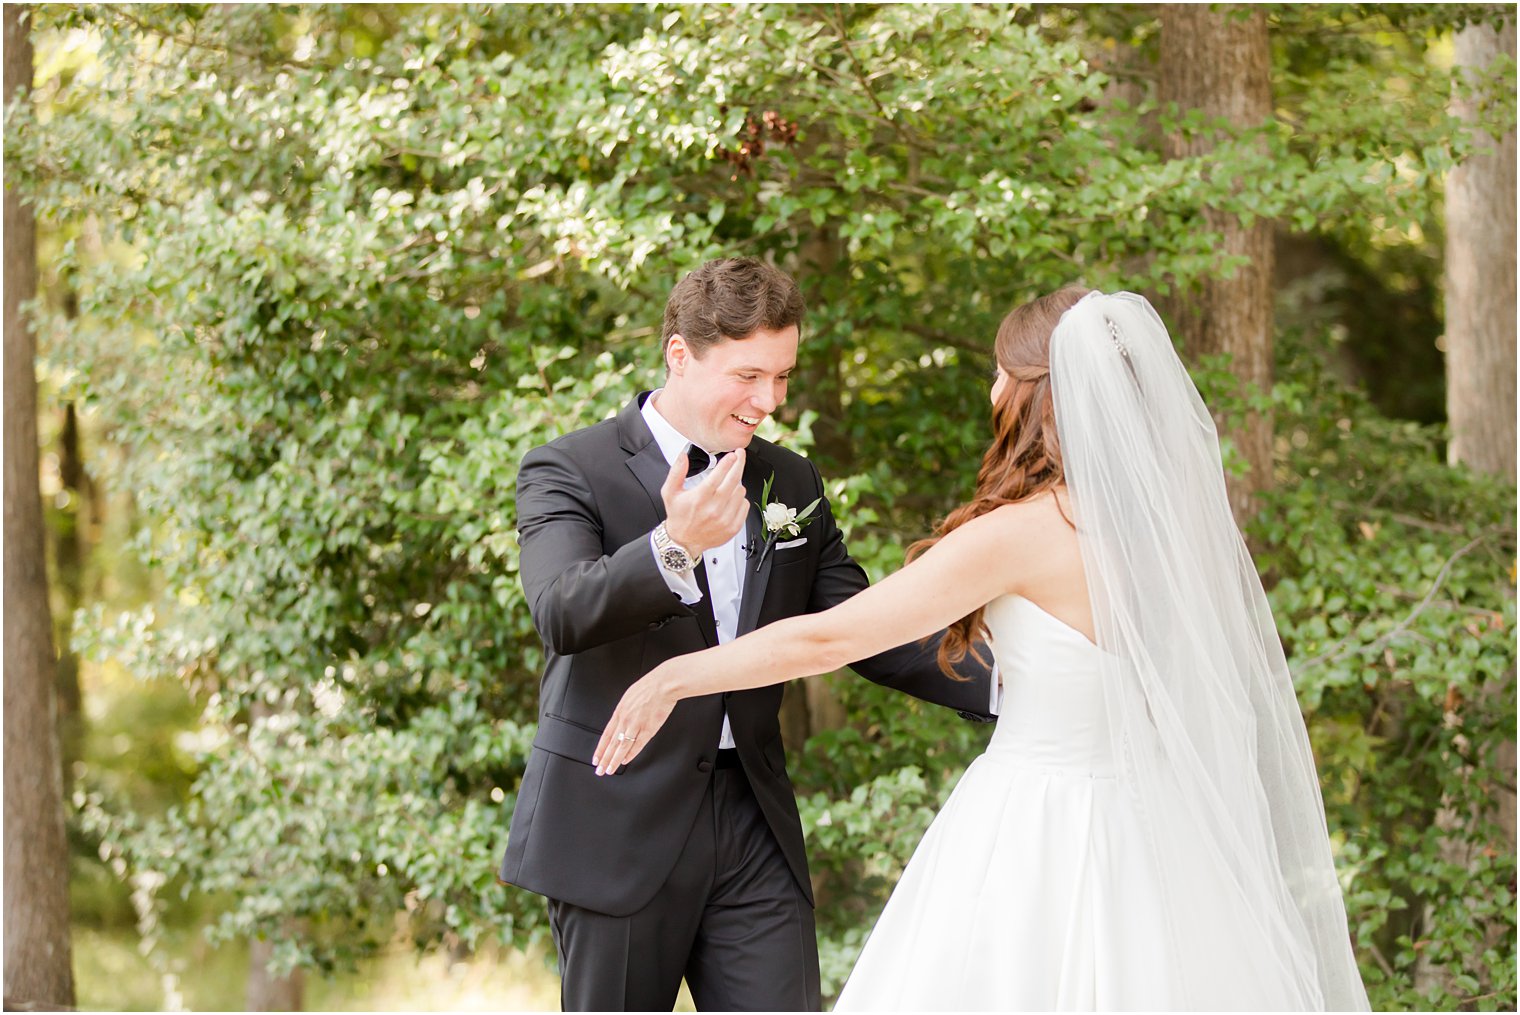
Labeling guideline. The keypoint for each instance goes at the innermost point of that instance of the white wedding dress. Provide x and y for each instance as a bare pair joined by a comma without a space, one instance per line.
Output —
1192,871
1032,889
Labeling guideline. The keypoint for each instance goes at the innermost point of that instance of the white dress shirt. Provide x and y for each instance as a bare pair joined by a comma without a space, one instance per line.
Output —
725,569
724,563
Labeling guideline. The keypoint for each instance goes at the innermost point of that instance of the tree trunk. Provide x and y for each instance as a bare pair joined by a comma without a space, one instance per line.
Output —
1216,58
68,554
823,274
271,993
1480,392
38,963
1480,313
1480,283
796,726
267,992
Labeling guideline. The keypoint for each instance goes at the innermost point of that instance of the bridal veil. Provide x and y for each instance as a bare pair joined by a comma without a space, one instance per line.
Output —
1210,741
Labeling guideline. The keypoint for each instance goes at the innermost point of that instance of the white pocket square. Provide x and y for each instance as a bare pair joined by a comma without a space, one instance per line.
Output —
791,543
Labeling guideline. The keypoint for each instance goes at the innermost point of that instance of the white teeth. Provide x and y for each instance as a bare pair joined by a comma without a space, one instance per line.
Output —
746,420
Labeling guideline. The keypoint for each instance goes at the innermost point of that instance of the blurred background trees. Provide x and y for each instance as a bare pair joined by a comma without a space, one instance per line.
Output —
313,279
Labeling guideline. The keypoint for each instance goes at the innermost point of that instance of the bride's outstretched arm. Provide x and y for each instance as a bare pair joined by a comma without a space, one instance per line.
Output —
966,569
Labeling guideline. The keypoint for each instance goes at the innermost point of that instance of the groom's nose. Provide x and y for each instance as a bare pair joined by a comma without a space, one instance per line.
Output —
766,397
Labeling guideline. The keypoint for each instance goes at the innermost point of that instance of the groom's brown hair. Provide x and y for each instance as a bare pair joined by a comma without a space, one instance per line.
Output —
730,298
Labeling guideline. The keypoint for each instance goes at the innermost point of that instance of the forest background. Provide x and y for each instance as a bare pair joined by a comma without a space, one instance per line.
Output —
309,281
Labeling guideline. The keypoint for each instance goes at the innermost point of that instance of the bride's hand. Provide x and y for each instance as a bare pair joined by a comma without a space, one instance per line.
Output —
640,714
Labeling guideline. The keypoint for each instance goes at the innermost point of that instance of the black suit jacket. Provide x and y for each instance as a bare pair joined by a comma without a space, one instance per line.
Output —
586,504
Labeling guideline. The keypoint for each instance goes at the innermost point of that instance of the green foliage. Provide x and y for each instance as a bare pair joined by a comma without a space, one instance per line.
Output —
359,260
1395,597
1356,75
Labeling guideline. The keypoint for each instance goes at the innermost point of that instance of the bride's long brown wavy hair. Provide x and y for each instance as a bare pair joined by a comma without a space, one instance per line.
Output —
1024,458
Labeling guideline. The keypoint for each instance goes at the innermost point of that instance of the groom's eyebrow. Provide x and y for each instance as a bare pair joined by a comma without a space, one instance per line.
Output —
742,368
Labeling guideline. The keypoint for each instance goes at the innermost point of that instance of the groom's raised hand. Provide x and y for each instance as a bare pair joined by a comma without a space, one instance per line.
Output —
709,513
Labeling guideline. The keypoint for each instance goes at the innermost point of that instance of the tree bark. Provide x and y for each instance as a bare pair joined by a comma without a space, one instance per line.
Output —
68,554
1480,312
1480,282
1480,396
1216,58
822,273
267,992
38,960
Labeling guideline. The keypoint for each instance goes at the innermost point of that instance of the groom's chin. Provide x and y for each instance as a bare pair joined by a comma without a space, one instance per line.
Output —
736,436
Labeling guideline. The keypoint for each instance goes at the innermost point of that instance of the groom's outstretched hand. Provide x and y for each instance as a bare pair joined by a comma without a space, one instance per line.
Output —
709,513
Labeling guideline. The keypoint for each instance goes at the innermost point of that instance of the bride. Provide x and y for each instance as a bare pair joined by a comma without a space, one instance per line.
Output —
1145,828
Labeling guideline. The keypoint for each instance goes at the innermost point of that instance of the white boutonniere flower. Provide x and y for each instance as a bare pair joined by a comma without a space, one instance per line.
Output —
780,520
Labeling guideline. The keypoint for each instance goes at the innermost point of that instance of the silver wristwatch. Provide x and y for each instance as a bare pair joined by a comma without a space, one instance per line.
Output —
671,555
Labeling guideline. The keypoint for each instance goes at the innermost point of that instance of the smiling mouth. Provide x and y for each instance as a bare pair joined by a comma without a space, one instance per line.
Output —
746,420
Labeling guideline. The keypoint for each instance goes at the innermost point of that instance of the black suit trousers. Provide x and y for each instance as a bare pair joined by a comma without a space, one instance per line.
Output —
730,920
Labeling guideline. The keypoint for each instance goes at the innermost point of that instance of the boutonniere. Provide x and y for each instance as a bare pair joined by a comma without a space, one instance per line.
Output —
780,520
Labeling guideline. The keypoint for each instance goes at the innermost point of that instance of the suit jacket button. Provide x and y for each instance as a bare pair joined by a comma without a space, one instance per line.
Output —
704,765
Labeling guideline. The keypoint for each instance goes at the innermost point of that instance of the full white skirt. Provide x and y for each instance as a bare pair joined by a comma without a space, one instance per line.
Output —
1030,891
1039,887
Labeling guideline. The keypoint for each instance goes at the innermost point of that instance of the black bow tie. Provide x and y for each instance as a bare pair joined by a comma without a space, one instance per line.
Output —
699,460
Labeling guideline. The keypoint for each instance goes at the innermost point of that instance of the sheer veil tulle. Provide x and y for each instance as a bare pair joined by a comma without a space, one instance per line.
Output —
1211,744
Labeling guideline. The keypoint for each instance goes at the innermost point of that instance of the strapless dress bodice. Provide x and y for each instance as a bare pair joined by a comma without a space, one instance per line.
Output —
1053,715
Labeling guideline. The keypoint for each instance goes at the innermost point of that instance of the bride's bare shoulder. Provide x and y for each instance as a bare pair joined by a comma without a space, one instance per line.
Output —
1047,511
1038,541
1009,531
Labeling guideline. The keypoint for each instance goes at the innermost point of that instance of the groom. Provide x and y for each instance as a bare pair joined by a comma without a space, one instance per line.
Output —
642,539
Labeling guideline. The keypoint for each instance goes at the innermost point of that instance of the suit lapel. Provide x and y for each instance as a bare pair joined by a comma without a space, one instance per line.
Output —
704,610
757,573
649,466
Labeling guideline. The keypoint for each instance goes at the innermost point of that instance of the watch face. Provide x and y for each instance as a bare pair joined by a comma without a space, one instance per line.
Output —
674,559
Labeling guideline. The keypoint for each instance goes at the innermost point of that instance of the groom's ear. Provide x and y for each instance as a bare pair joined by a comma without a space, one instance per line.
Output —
677,353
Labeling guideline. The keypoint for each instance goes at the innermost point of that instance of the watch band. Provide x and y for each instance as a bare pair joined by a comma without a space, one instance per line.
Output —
672,556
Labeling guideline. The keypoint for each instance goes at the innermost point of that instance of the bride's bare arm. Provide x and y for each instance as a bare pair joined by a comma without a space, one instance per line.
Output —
968,568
